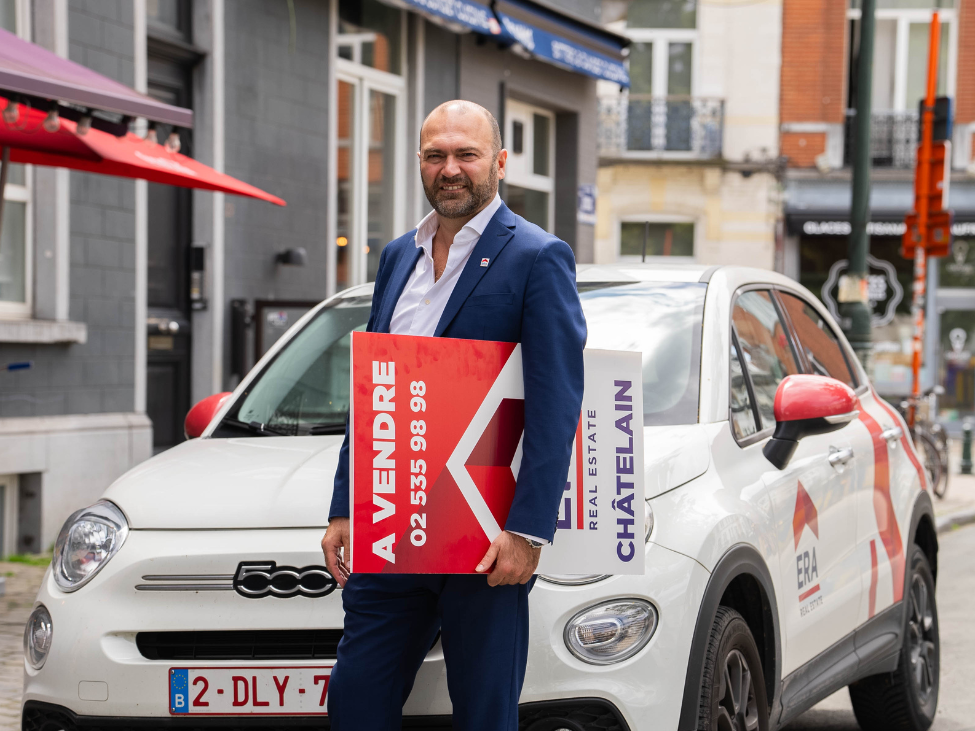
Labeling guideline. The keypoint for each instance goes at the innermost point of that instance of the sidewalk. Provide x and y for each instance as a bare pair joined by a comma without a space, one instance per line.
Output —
958,506
22,582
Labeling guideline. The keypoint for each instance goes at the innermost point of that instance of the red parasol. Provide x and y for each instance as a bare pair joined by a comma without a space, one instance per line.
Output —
99,152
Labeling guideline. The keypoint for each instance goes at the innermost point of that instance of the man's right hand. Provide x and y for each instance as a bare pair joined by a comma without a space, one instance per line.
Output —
337,549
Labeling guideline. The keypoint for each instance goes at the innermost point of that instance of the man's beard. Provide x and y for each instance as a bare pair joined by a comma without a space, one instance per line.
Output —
477,195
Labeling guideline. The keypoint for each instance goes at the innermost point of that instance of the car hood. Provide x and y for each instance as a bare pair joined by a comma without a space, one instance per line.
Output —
286,482
256,482
674,455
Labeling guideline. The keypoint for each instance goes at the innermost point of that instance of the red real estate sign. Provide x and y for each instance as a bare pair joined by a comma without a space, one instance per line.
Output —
436,436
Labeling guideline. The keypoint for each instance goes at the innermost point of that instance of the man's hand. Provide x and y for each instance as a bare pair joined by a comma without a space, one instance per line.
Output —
338,549
514,560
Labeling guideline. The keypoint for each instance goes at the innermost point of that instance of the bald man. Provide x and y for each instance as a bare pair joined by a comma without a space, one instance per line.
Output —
471,269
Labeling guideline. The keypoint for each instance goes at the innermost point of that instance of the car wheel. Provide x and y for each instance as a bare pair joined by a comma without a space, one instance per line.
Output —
733,687
906,699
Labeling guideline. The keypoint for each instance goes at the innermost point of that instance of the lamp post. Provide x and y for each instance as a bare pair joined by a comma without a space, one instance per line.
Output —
852,295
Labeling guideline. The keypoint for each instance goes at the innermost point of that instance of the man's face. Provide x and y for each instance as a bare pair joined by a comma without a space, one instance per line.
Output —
459,171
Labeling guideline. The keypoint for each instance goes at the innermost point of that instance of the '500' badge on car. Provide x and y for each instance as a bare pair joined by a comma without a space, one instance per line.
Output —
257,579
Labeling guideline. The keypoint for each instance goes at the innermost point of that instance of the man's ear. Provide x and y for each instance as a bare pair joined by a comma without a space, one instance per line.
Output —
502,162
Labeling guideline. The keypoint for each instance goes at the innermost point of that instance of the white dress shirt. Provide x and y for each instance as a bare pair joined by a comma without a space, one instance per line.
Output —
423,300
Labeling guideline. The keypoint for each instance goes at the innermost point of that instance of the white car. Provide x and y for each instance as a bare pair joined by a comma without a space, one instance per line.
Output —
790,541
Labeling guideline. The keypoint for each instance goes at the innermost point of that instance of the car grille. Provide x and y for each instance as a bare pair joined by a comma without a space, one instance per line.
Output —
302,644
577,714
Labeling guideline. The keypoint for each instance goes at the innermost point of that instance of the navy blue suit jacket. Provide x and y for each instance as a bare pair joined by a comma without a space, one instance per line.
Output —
527,294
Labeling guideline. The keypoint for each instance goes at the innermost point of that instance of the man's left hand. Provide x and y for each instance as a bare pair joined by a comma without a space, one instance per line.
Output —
513,559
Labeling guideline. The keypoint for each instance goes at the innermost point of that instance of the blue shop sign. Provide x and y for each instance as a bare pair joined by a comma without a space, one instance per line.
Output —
470,15
561,52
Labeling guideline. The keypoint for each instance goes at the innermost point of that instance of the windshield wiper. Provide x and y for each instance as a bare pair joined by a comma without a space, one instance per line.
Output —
255,427
335,427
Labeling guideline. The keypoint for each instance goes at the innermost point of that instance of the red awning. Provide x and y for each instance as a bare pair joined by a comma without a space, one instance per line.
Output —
26,68
99,152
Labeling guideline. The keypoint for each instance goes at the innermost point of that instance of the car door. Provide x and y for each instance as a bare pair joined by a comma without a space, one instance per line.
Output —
838,601
813,498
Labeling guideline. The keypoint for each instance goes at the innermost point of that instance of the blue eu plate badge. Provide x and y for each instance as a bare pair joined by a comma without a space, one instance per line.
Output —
179,689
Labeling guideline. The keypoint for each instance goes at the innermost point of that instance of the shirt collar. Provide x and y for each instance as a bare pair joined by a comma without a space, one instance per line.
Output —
427,227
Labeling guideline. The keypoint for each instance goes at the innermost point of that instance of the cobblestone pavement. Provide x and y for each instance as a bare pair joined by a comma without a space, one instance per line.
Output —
22,582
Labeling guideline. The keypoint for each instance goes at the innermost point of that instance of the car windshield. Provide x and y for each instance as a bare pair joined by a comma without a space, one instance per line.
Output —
305,388
662,321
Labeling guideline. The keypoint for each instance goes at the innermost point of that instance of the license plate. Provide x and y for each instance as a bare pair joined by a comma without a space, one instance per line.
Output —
272,691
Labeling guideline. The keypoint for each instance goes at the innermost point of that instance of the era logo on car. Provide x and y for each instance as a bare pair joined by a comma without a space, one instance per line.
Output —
257,579
807,569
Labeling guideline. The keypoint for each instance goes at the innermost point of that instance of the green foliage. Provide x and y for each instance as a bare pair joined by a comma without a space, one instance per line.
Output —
30,559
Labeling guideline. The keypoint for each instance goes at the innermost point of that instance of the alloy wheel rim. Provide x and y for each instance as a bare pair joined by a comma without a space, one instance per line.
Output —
737,705
920,637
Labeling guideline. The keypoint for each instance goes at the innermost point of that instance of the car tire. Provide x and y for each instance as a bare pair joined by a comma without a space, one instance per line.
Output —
906,699
733,694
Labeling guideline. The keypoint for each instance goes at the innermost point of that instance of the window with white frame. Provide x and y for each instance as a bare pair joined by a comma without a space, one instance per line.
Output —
900,59
15,234
371,136
530,170
661,61
645,237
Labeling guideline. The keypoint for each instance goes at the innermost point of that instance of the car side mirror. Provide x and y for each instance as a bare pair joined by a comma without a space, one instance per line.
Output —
200,416
807,405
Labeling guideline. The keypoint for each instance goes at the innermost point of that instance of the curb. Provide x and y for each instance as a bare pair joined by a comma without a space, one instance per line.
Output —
957,519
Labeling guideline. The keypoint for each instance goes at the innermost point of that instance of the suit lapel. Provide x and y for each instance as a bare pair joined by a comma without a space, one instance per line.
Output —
498,233
397,282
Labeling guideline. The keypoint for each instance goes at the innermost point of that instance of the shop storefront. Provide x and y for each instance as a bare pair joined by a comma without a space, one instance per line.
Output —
819,251
955,308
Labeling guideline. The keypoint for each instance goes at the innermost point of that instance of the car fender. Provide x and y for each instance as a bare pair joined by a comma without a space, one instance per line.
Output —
738,560
924,510
927,540
725,506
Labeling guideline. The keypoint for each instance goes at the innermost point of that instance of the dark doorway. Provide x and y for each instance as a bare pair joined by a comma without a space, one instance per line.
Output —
168,319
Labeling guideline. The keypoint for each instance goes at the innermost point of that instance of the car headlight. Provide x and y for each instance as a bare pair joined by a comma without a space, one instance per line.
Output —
612,631
582,579
89,538
38,636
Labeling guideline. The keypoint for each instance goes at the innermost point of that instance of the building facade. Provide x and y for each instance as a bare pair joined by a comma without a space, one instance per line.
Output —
689,154
131,301
819,61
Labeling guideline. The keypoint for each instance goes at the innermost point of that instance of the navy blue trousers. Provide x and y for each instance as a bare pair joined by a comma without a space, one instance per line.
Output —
390,624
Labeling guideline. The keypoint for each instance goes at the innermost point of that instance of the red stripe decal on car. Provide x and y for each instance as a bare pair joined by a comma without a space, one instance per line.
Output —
882,506
806,594
873,578
904,442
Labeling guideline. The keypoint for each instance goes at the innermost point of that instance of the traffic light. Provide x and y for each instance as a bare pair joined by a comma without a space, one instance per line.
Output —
942,118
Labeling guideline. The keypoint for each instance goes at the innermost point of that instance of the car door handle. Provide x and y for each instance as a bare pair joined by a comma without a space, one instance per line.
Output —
893,434
839,457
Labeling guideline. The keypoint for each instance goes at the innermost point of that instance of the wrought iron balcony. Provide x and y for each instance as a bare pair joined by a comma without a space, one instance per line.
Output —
645,126
893,139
